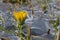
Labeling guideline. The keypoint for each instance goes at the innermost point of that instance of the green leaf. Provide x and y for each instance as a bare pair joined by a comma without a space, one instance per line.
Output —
0,18
11,31
2,28
57,22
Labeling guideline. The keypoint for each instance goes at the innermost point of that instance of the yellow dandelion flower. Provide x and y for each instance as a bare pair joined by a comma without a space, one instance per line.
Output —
16,15
20,15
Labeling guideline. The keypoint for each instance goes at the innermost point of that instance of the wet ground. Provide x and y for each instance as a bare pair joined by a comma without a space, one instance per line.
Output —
39,27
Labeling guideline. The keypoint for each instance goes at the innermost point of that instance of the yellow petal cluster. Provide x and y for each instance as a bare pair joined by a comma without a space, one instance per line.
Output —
20,15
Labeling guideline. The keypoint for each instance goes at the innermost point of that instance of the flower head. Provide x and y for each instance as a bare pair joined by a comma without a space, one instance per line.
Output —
20,15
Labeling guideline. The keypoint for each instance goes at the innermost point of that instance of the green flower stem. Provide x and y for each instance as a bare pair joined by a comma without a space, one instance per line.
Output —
19,27
20,31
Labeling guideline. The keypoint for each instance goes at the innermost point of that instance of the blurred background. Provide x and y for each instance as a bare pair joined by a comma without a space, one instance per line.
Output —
40,14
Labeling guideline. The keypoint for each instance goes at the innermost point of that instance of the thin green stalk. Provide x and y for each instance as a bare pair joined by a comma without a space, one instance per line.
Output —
29,33
31,5
21,2
20,31
55,36
19,27
58,35
18,3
